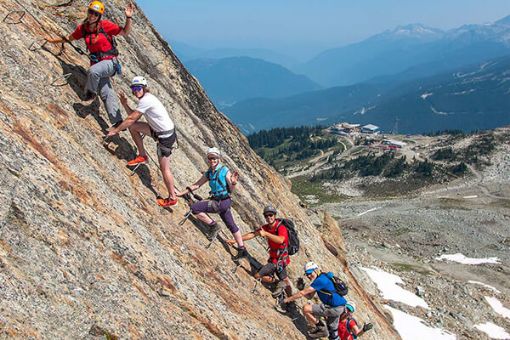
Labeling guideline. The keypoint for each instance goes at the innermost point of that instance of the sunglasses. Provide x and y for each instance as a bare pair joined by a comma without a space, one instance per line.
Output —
136,88
92,12
212,158
268,215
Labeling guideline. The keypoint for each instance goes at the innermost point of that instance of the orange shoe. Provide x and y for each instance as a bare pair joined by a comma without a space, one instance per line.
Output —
166,202
138,160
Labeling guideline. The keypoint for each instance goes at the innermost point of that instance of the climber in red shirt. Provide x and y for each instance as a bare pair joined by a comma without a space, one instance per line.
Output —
278,241
99,38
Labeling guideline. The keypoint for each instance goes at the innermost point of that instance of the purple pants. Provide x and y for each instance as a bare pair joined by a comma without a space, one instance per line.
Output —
221,207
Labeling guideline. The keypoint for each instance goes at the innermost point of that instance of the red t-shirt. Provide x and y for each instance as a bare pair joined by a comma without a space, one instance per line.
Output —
98,42
343,333
275,247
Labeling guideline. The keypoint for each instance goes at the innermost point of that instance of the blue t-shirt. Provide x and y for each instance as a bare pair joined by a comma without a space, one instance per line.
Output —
326,291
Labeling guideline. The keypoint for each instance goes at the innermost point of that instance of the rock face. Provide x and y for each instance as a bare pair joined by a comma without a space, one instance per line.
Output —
84,250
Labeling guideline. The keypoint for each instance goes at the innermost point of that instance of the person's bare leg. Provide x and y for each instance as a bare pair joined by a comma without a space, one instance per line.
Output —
168,178
307,311
136,131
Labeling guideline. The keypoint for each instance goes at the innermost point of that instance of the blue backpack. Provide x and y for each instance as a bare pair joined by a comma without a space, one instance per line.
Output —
218,182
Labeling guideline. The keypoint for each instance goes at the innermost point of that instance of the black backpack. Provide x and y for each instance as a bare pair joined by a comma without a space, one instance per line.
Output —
293,247
340,286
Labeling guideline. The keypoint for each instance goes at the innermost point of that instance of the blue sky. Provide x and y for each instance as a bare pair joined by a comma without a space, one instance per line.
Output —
306,26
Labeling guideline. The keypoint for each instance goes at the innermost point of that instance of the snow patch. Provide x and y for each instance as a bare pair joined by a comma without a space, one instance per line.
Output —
438,112
426,95
464,92
460,258
364,110
413,328
369,210
498,307
493,331
484,285
388,285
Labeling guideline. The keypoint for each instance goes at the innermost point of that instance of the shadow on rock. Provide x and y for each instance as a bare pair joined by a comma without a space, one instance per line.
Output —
78,77
297,318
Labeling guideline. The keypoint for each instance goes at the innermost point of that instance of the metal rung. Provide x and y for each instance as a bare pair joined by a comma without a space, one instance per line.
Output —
37,45
133,171
63,4
64,78
11,19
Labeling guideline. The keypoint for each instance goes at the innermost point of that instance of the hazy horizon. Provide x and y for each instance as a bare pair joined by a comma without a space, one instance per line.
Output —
301,29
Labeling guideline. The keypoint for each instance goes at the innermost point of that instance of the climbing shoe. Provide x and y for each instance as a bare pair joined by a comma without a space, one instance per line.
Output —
213,232
138,160
166,202
280,286
241,254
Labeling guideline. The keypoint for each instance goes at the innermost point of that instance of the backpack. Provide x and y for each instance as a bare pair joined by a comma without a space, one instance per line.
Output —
293,246
340,286
218,182
348,326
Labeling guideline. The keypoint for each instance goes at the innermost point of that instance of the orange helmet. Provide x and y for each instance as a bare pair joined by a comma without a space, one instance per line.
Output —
97,6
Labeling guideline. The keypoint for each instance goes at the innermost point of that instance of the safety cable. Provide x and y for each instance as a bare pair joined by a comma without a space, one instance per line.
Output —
9,20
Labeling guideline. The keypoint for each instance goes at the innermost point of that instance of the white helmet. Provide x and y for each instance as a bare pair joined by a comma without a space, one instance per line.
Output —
214,151
139,80
310,267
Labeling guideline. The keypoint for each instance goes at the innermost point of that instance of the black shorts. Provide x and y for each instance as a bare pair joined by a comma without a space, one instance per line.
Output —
271,268
164,146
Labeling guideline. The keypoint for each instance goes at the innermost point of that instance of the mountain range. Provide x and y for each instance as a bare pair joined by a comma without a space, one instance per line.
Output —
472,97
229,80
405,47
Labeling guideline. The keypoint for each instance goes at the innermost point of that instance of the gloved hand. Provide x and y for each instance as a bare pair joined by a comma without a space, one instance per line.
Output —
300,284
367,327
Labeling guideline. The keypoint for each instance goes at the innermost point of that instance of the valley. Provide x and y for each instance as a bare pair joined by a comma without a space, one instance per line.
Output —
423,229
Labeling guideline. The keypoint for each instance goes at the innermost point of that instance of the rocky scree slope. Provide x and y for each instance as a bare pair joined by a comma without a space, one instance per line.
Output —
84,250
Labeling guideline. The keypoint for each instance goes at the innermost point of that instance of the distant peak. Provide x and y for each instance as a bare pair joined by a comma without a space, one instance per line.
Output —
415,29
504,21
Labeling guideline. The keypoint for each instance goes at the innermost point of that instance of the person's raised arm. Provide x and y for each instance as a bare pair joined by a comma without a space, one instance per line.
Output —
232,179
61,39
130,9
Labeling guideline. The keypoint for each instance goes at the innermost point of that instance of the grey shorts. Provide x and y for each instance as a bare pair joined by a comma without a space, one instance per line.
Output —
320,309
271,268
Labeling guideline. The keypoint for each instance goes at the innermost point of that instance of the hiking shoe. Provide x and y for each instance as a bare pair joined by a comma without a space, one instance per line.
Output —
213,232
321,333
279,289
166,202
241,253
318,328
280,306
138,160
89,95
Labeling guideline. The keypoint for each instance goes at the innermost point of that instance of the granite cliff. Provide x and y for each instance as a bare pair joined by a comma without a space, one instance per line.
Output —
84,250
